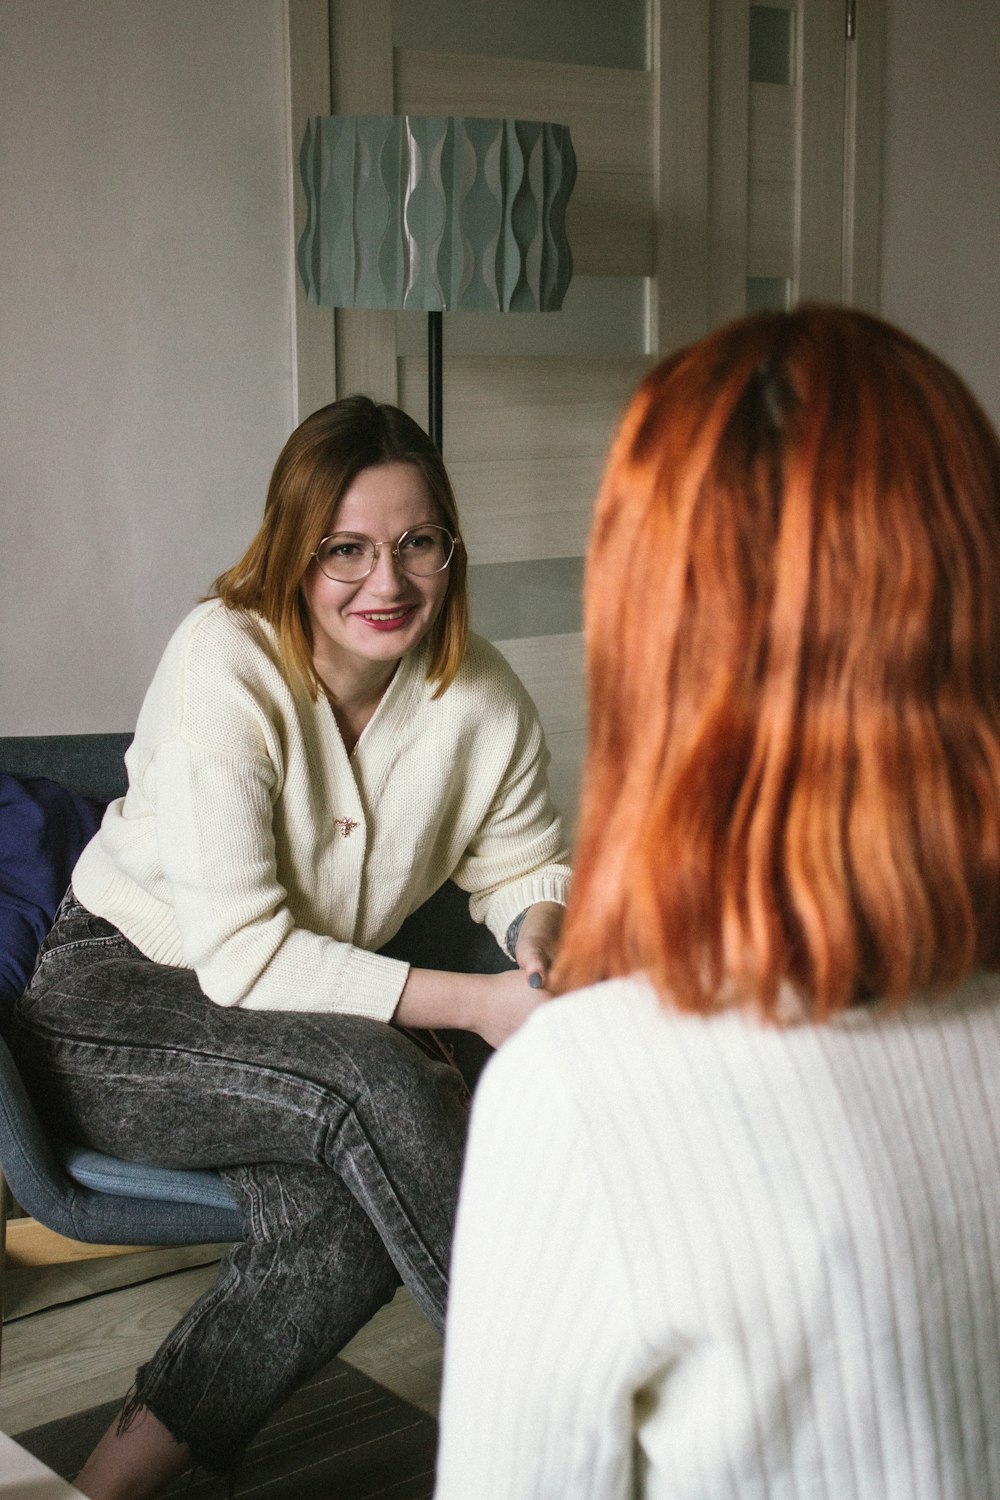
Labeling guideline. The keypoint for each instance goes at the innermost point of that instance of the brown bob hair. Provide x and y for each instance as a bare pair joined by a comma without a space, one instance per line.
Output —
317,465
792,613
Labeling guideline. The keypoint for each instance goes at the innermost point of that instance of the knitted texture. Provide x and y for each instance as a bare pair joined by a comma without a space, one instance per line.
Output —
744,1263
251,848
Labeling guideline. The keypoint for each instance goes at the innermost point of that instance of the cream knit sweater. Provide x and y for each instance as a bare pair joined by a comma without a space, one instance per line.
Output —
709,1260
250,848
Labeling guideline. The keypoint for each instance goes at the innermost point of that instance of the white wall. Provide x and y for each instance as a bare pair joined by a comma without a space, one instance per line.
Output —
145,332
941,185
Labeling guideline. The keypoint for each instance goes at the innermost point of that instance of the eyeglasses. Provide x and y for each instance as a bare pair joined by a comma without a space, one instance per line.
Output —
349,556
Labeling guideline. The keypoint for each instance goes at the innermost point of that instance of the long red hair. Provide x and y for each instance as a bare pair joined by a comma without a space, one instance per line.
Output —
792,612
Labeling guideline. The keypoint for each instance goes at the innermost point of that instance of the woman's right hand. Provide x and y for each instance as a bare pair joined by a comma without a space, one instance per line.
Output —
492,1005
506,1005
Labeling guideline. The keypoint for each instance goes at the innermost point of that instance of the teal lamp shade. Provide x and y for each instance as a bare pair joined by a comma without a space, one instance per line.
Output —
436,213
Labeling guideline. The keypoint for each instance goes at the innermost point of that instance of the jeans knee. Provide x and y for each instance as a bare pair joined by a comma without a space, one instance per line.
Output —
409,1085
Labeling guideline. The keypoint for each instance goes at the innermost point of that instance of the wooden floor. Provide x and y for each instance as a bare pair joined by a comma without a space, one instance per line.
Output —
73,1335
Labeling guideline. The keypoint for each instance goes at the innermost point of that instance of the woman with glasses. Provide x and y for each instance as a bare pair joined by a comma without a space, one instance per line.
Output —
759,1257
322,746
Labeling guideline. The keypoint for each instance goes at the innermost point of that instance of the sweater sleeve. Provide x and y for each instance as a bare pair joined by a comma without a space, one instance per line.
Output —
542,1353
518,854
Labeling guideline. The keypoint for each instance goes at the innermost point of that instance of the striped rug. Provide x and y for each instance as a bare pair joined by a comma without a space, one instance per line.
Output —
340,1436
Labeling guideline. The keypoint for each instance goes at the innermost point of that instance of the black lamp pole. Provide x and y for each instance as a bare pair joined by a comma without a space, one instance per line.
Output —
435,400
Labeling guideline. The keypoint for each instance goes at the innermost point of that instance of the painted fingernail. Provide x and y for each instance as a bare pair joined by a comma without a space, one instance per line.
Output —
536,981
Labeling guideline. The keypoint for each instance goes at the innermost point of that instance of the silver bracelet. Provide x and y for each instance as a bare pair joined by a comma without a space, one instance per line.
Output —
513,933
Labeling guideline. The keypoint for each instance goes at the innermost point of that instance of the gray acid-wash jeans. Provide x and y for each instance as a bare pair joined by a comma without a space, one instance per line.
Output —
339,1138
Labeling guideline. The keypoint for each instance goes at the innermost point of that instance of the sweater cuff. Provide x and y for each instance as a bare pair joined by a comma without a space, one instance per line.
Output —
370,985
501,909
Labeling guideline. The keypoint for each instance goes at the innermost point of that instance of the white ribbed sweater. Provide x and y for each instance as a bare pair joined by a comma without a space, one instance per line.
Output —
225,856
704,1260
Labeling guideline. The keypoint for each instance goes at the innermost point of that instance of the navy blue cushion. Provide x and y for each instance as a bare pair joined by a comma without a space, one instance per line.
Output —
43,828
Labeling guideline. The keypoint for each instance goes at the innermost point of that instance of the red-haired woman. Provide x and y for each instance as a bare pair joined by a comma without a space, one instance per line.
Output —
757,1253
322,746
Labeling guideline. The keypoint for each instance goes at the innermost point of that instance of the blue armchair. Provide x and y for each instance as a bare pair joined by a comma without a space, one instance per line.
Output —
83,1195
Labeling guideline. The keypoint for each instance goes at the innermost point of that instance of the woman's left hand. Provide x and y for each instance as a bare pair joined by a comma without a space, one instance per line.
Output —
537,942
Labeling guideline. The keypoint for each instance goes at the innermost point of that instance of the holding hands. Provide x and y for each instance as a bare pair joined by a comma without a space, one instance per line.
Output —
537,941
516,994
492,1005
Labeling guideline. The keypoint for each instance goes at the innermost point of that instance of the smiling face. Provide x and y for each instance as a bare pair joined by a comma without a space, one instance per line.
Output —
362,630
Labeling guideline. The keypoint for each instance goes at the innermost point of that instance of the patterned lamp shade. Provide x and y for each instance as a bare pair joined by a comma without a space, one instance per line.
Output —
436,213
